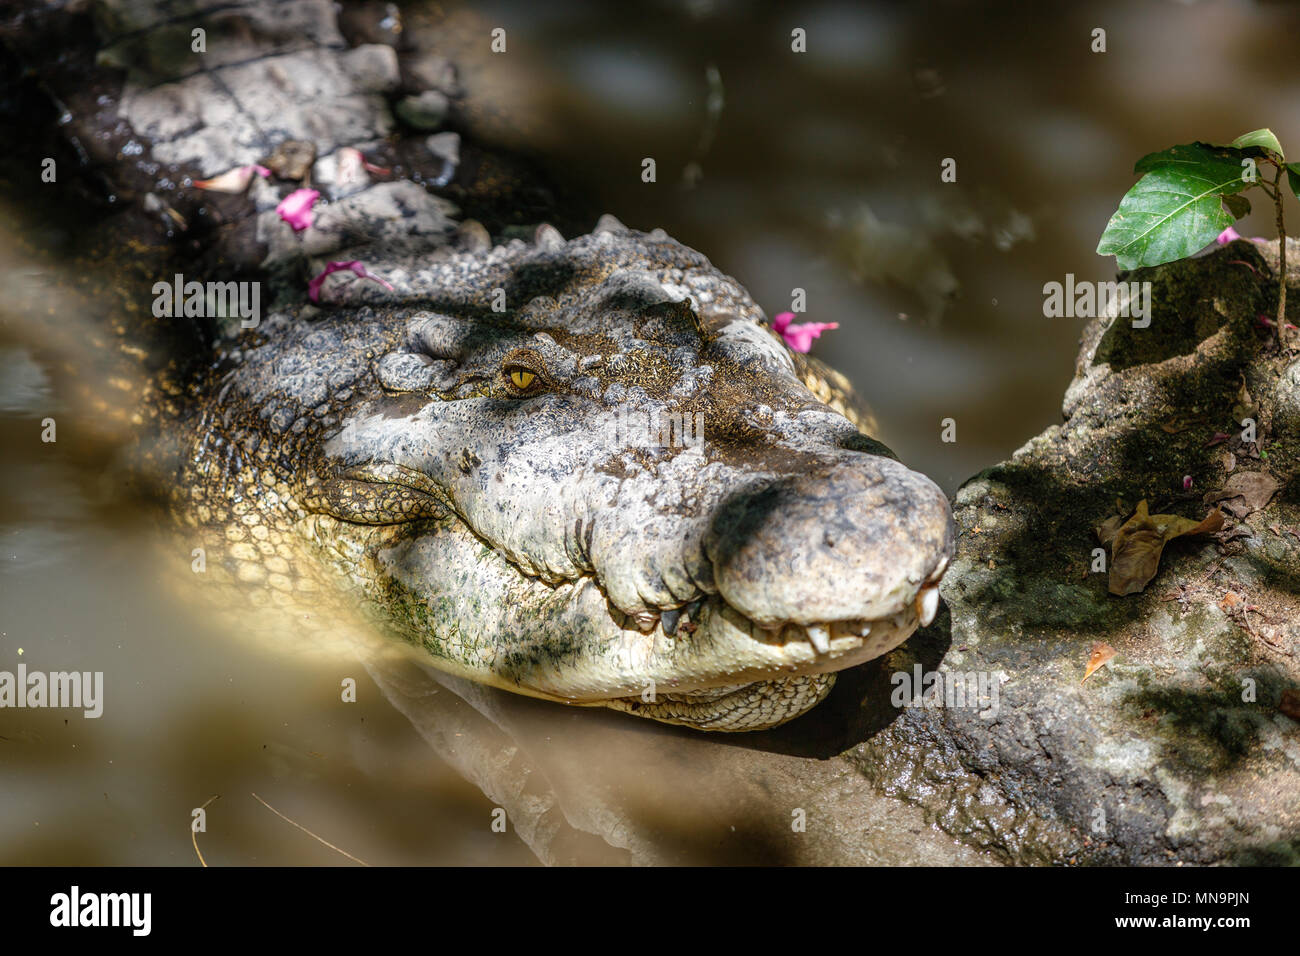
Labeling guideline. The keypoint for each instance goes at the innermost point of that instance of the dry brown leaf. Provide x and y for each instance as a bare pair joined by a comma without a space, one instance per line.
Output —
1230,600
1244,493
1101,656
1245,405
1107,530
232,181
1136,548
1242,530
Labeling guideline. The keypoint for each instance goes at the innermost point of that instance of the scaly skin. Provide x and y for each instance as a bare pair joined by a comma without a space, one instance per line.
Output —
526,539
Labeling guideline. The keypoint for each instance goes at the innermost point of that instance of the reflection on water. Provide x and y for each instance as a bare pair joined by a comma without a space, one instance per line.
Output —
817,171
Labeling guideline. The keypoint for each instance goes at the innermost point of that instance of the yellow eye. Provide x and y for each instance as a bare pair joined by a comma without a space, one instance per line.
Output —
521,378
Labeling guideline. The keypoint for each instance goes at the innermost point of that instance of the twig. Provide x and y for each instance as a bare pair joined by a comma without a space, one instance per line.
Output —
1281,266
194,836
308,832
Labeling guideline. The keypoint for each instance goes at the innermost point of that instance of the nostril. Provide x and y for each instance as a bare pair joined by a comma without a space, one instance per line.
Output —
848,538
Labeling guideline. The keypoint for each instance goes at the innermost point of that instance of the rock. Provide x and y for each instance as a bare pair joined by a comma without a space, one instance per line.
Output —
1179,749
430,72
134,40
291,159
247,109
1286,397
446,146
426,110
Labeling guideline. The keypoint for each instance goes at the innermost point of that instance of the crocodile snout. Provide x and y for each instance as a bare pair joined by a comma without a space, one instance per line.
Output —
857,537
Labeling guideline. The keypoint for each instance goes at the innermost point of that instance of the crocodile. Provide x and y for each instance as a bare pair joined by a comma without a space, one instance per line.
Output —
622,488
583,470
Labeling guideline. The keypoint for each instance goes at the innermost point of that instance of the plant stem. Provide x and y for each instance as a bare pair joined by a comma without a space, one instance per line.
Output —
1281,263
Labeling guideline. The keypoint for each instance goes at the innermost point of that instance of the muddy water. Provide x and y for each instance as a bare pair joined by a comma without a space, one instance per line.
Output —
817,171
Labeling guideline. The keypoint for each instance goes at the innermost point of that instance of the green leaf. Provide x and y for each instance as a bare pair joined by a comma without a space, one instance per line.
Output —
1261,138
1175,209
1237,206
1293,177
1189,153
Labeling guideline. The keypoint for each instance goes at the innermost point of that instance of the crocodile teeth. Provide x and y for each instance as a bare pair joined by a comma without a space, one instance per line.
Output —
645,621
669,619
941,567
690,614
927,605
820,638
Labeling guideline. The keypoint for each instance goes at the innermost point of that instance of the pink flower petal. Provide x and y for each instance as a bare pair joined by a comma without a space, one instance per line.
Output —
1187,482
351,167
295,208
1268,322
1228,235
799,336
232,180
353,265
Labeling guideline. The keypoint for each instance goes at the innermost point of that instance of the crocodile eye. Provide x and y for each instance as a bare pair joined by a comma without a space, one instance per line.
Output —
523,372
522,380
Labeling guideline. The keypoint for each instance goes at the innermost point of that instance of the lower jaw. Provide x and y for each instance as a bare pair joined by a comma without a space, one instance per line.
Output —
761,705
769,700
726,652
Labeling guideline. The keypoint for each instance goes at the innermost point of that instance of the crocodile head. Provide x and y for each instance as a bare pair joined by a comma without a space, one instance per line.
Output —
590,472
